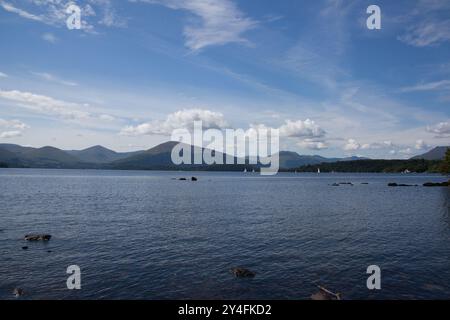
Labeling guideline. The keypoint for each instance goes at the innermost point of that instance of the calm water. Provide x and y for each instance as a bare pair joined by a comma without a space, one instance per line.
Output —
143,235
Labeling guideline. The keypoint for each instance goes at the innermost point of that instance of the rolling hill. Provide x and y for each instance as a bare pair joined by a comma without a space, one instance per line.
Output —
99,154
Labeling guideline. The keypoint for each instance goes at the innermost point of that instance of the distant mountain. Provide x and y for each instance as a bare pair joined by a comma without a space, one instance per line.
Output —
290,160
99,154
46,157
156,158
437,153
8,157
15,148
160,158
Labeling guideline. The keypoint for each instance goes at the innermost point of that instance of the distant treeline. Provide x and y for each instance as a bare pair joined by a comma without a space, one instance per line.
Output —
381,166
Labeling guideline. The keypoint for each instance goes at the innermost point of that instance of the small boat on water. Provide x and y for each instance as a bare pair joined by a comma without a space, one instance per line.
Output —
318,170
245,170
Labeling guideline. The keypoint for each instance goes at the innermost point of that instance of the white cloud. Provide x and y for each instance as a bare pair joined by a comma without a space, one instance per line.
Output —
14,128
10,134
313,145
442,128
52,78
301,129
421,145
49,37
352,145
44,104
106,117
437,85
221,22
183,119
13,124
3,75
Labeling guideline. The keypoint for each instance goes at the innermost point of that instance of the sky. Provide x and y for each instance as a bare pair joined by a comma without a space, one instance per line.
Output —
138,69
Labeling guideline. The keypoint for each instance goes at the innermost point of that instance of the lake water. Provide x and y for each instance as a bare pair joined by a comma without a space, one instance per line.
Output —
144,235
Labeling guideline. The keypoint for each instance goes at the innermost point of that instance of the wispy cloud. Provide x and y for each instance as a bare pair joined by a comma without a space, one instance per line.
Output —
220,22
99,12
428,23
49,37
3,75
52,78
430,86
24,14
56,108
427,33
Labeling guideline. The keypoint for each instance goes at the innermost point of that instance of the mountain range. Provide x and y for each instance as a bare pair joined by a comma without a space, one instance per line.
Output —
156,158
437,153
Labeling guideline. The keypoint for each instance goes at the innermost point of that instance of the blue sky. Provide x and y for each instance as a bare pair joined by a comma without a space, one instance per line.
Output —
138,69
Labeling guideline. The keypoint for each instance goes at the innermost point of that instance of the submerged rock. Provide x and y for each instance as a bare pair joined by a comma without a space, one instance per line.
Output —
335,185
25,248
37,237
242,273
182,179
17,292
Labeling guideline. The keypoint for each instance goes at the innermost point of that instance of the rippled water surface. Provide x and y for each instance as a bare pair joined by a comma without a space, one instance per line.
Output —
144,235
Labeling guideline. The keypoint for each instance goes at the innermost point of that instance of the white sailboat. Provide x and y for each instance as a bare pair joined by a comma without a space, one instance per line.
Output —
318,170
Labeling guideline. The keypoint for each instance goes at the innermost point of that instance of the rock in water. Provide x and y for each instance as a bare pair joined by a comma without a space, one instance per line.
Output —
37,237
25,248
242,273
439,184
194,179
17,292
182,179
392,184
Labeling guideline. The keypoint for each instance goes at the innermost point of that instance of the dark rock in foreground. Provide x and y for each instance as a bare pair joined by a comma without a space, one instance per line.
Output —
37,237
194,179
325,294
242,273
17,292
438,184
